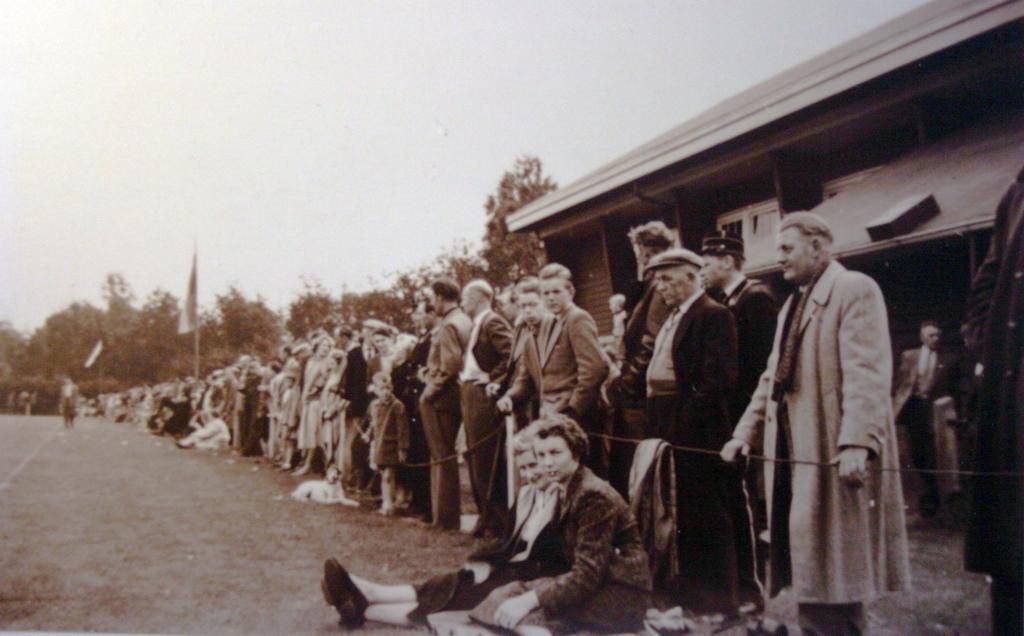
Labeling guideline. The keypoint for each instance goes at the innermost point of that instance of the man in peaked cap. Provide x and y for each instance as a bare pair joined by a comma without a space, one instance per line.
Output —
689,381
755,309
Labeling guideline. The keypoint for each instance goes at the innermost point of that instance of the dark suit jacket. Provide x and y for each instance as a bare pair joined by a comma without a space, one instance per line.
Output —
571,367
521,339
447,348
355,382
705,360
638,342
601,542
755,309
944,382
493,346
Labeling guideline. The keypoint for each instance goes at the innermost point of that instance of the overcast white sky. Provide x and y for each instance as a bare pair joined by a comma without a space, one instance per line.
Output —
335,140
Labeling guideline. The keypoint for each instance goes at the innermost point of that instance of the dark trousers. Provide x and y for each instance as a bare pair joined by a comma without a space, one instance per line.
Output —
706,533
441,428
630,422
745,507
486,460
782,502
916,417
1007,606
416,479
357,454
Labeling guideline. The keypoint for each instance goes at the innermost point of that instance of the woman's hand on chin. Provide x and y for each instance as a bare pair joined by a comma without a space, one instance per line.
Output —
513,610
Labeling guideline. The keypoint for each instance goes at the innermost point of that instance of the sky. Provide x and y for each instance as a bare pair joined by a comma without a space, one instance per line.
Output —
335,141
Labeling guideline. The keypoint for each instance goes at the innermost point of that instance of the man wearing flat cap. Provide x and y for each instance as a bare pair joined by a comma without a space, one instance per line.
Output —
689,380
755,309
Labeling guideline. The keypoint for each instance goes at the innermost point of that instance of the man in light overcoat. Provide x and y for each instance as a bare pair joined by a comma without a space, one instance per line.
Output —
837,527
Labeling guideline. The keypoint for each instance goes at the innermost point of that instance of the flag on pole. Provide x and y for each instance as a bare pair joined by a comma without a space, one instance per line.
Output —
95,354
188,320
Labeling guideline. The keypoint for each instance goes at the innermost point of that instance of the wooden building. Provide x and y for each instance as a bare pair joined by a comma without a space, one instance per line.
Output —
904,139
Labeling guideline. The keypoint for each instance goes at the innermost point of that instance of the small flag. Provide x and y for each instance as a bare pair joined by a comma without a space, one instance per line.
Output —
188,321
95,354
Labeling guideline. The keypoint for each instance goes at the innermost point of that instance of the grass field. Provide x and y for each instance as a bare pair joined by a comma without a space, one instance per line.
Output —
106,528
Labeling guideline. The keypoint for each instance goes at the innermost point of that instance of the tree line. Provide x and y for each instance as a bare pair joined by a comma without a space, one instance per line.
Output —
141,344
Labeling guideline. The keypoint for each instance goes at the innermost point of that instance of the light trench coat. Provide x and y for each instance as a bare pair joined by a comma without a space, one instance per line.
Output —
847,544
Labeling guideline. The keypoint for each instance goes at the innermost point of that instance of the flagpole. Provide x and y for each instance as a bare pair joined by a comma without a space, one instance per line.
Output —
197,350
195,259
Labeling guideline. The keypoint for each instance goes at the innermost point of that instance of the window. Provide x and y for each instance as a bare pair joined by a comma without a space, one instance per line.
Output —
757,225
831,188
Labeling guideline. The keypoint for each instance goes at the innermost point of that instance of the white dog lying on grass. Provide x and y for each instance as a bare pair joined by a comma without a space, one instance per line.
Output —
325,491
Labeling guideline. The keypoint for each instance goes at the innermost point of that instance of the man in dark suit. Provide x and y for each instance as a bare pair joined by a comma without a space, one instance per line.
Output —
689,380
355,462
530,315
439,403
995,335
486,360
755,309
628,392
925,374
568,375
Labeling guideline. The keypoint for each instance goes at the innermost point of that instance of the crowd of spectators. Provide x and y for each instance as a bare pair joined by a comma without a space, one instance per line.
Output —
700,358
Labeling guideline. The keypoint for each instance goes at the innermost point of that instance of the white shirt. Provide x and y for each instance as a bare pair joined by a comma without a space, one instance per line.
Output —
542,512
661,368
471,371
925,370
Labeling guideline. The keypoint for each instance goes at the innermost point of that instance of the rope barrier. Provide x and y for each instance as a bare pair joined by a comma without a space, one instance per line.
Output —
447,458
833,464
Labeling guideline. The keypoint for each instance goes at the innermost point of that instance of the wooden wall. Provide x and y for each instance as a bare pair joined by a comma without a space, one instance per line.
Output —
584,256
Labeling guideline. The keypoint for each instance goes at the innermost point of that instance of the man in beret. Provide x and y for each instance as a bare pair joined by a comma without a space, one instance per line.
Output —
755,309
689,380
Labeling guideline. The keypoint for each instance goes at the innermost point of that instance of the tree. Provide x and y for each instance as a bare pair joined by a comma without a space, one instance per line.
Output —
247,326
313,308
118,329
509,256
155,345
64,341
12,348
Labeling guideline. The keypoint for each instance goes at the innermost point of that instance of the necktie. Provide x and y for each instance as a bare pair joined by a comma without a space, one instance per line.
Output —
784,371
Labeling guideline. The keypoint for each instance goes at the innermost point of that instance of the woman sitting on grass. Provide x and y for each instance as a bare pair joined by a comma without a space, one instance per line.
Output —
530,550
211,435
606,586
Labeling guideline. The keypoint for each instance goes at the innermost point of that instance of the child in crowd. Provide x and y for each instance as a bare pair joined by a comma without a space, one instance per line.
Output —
389,426
289,414
617,304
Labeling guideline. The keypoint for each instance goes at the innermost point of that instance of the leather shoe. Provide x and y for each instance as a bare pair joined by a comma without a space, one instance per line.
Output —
341,592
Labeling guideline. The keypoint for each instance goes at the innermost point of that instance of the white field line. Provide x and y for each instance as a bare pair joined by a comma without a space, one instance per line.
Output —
14,473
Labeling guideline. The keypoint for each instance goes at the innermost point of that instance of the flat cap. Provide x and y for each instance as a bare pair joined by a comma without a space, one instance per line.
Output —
721,243
674,258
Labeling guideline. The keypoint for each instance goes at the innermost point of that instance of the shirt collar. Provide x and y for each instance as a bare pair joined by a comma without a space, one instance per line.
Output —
733,286
686,304
481,316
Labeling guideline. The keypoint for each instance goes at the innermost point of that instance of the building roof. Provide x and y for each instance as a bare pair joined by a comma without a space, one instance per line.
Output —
906,39
967,173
